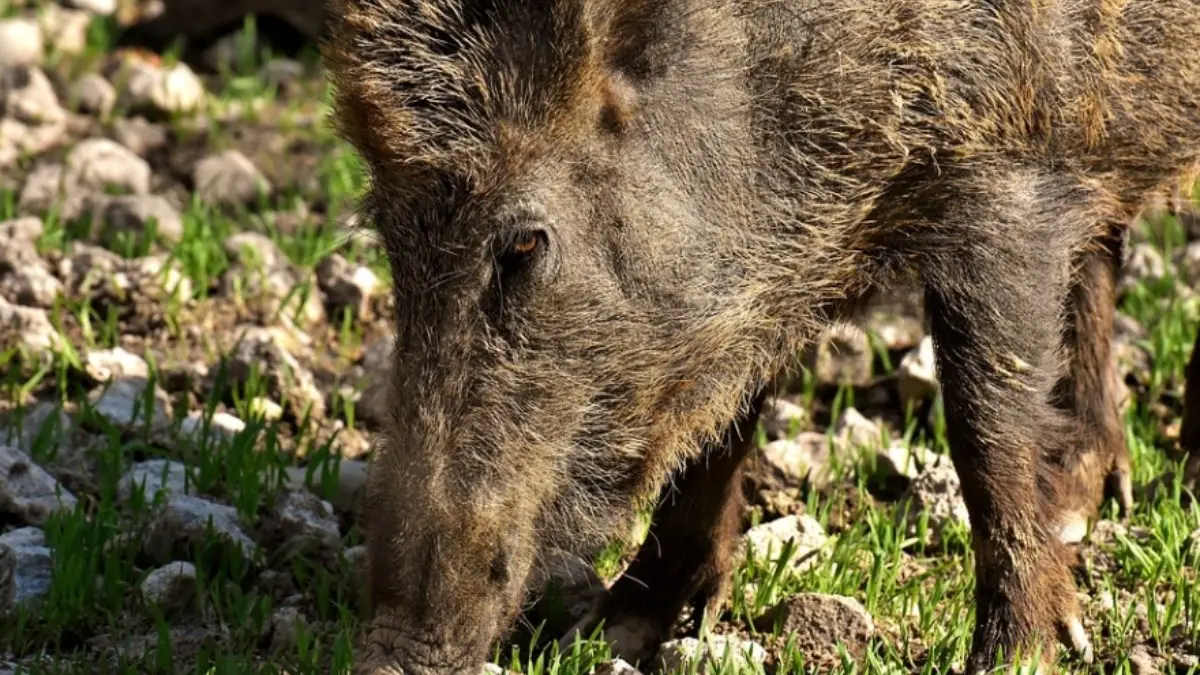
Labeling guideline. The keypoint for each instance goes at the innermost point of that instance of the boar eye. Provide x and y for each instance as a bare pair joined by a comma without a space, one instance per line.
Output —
522,248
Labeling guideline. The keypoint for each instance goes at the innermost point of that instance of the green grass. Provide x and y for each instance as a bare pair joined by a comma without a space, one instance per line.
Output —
920,597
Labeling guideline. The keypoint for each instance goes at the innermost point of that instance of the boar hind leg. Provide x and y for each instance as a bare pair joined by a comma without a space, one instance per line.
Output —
1189,435
1099,466
686,559
997,275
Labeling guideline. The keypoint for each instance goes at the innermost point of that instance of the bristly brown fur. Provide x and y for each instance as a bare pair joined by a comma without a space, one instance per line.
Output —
717,180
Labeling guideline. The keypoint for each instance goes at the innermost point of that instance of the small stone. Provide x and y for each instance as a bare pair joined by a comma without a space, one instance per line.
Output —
100,7
282,73
41,426
229,178
617,667
27,229
938,492
896,317
906,462
133,214
1142,662
306,525
31,562
100,164
18,139
27,491
767,541
569,589
153,477
123,404
32,286
170,587
20,43
65,29
159,276
710,654
804,458
286,624
254,250
1142,262
259,350
88,266
352,480
27,327
183,524
29,97
221,425
104,364
781,418
818,623
854,430
43,190
916,376
266,409
347,286
177,90
356,559
843,356
139,135
493,669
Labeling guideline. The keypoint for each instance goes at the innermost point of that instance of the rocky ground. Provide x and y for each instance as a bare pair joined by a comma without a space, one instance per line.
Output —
191,334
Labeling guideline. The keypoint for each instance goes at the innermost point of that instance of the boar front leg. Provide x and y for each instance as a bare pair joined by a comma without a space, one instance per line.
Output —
997,269
686,559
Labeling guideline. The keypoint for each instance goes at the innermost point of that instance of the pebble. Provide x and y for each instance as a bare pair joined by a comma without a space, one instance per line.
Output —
20,43
183,523
347,286
804,458
916,376
1142,662
936,491
26,568
29,97
32,286
1143,262
352,479
229,178
123,404
27,491
154,477
177,90
64,29
707,656
104,364
306,525
100,164
170,587
818,623
30,327
766,541
616,667
843,356
286,624
856,431
259,351
221,425
906,462
133,214
783,419
26,229
139,135
100,7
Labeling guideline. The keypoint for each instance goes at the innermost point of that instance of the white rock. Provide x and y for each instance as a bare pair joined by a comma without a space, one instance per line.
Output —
171,587
93,94
26,229
122,403
27,491
710,654
347,286
133,214
184,524
854,430
26,567
99,163
177,90
32,286
221,425
153,477
229,178
64,29
307,524
20,43
766,541
782,418
101,7
938,492
104,364
917,374
29,97
903,461
806,457
818,623
617,667
30,327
